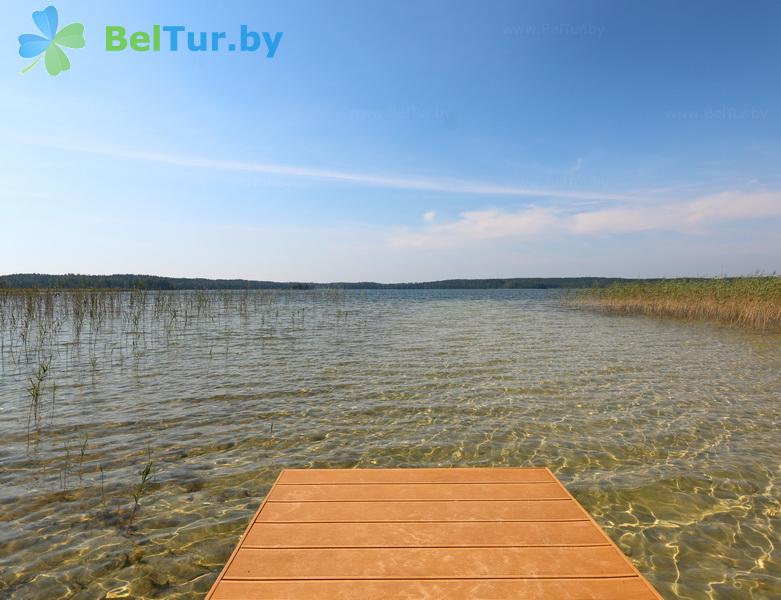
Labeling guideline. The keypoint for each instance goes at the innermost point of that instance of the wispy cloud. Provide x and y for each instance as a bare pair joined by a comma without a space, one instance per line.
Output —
480,225
429,216
687,216
428,184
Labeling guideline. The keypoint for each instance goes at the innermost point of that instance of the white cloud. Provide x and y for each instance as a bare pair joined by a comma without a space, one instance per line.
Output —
690,216
625,219
474,226
686,216
733,206
429,216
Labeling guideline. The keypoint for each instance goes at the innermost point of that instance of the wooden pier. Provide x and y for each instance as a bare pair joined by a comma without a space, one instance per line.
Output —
425,533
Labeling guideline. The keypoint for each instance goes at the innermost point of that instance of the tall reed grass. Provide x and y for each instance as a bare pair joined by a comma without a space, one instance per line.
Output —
753,302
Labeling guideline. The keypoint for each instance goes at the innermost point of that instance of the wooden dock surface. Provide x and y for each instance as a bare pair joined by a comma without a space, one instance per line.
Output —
425,533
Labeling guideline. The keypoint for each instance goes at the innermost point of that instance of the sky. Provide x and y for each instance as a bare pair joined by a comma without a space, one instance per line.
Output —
403,140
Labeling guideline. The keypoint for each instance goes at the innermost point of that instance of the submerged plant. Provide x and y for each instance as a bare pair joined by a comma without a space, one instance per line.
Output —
82,452
102,488
138,491
34,390
66,466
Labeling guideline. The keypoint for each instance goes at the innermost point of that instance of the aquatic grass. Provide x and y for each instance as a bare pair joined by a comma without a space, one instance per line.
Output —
751,302
34,390
102,485
139,489
65,467
82,453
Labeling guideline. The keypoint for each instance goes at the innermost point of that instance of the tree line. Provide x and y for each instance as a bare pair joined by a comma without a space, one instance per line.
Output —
153,282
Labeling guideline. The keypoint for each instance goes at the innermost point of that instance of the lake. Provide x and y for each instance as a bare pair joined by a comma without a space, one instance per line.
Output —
668,432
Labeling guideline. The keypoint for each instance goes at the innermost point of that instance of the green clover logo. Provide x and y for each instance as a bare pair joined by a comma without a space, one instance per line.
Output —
31,45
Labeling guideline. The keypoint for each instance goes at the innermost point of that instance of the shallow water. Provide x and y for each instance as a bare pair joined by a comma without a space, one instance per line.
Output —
667,432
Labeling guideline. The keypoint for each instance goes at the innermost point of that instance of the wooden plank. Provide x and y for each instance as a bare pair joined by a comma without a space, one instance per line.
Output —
347,476
428,563
627,588
406,491
350,512
425,533
387,535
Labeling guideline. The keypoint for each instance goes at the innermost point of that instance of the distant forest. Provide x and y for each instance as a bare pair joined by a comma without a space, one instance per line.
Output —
152,282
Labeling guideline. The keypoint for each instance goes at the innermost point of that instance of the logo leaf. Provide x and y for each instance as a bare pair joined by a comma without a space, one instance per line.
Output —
31,45
55,60
71,36
46,20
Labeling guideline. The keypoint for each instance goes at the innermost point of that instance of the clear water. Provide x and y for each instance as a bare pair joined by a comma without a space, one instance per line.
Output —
667,432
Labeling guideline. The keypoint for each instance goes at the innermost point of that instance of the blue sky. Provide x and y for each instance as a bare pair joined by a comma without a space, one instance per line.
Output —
397,141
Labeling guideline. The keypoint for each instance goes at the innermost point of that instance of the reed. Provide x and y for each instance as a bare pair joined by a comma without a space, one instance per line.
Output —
139,490
752,302
34,390
82,454
102,486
